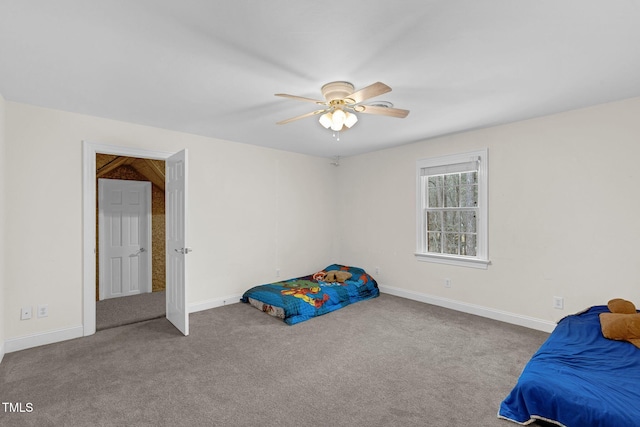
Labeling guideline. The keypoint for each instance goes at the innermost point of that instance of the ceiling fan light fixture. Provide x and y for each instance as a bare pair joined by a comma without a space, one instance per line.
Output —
337,121
350,119
325,120
341,105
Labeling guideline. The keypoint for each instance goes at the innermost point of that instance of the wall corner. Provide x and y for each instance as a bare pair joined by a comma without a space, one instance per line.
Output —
3,304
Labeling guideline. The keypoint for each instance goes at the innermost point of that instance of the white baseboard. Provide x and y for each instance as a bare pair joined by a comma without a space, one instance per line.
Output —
491,313
213,303
43,338
50,337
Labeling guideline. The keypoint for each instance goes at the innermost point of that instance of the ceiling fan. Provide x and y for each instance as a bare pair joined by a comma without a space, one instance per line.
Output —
341,102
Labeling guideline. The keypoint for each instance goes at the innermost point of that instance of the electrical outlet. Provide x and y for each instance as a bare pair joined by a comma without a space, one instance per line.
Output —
558,302
277,272
377,271
43,310
25,313
447,283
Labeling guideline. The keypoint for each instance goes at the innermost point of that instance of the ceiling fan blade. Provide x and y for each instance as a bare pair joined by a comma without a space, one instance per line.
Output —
383,111
292,119
370,91
301,98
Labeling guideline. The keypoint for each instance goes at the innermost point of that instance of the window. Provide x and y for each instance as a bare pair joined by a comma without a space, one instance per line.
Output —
452,209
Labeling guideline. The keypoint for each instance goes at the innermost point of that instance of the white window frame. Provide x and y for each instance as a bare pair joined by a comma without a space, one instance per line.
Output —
481,259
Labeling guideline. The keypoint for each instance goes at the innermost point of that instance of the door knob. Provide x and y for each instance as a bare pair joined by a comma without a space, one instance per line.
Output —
138,253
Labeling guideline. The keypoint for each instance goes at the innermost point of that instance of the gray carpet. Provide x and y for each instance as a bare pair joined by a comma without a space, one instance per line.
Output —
114,312
383,362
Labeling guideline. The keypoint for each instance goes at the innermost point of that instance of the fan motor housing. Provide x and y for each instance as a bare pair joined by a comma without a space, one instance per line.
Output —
337,90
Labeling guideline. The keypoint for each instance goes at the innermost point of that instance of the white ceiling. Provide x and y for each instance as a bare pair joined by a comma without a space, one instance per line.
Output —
212,67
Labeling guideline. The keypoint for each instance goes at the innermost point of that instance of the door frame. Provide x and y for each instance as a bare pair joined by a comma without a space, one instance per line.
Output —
89,198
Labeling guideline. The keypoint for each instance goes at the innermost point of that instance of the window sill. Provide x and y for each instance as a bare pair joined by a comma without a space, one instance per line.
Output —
454,260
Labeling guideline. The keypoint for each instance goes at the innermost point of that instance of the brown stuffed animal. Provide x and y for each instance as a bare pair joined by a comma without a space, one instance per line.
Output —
337,276
619,305
623,323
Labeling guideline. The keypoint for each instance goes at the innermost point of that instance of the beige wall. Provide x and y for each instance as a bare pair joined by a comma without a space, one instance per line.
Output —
3,309
564,198
251,210
563,207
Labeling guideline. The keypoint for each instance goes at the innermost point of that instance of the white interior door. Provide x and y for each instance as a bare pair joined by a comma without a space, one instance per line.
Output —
177,251
124,225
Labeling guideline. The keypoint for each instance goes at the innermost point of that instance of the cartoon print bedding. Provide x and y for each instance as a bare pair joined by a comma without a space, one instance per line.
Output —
299,299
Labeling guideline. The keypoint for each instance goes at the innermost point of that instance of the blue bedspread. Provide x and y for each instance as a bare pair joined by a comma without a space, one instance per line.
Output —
579,378
299,299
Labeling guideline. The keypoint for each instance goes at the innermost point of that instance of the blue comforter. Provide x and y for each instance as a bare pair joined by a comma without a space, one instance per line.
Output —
299,299
579,378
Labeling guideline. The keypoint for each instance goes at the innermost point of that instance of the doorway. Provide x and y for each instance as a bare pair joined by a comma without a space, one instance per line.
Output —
175,305
138,172
130,245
